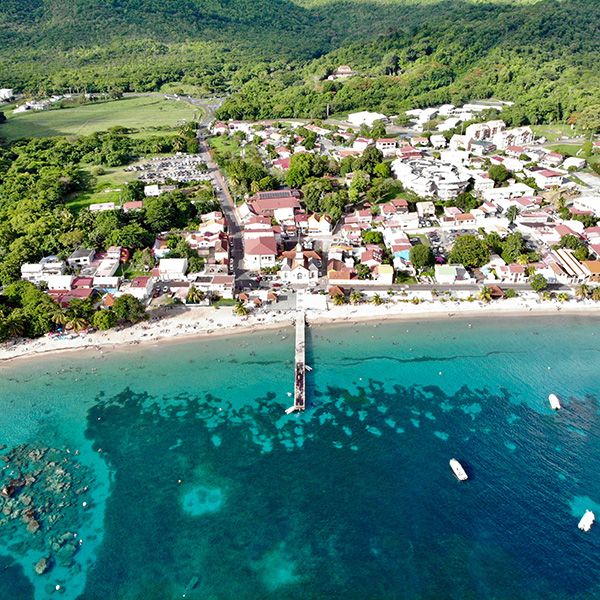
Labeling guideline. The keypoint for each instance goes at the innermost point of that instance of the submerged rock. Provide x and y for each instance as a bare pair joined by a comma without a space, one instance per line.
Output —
41,566
33,526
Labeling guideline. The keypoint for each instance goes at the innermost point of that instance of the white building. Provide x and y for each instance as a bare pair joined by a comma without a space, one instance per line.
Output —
368,118
172,269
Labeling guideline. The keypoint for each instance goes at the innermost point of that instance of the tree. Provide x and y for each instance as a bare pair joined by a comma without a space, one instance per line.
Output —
538,282
300,170
510,293
16,324
363,271
240,309
128,308
485,294
355,298
563,296
590,118
470,251
421,257
131,236
512,213
513,246
195,295
339,300
104,319
499,173
377,300
382,171
583,291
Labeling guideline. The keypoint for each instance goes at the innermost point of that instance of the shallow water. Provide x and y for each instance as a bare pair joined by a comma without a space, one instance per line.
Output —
195,470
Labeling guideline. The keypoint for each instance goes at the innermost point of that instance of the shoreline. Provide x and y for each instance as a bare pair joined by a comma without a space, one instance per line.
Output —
181,326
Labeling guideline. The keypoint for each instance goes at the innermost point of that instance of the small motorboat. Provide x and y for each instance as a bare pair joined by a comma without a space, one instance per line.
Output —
458,470
586,521
554,402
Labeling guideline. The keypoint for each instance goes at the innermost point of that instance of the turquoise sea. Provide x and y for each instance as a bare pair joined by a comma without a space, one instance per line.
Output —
154,466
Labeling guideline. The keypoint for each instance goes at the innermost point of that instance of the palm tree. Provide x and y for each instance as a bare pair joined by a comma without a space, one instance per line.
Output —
376,300
523,259
563,296
485,294
596,294
76,324
179,143
355,297
58,316
583,291
255,187
339,300
195,296
240,309
546,296
15,325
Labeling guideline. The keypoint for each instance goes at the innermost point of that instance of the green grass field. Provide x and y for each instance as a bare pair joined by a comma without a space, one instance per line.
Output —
112,179
137,112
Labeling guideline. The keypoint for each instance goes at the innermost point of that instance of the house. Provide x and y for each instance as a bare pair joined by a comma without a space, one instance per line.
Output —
82,257
319,225
552,159
425,209
463,220
361,144
107,268
341,72
260,252
401,205
437,141
172,269
387,146
513,273
574,164
368,118
223,285
141,287
40,272
156,190
448,274
265,203
134,205
107,284
383,274
547,178
102,206
60,282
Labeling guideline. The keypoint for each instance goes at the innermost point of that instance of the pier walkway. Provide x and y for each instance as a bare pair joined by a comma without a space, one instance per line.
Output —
300,372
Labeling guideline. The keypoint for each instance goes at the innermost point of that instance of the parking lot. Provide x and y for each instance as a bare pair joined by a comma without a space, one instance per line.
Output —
178,168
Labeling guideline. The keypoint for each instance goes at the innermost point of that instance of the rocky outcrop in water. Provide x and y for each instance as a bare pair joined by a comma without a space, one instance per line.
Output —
42,503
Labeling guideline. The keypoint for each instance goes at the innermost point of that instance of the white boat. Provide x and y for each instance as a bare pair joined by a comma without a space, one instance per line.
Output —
290,410
458,470
554,401
308,368
586,521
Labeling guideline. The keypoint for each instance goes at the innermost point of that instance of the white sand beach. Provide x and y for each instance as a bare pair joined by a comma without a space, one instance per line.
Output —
182,323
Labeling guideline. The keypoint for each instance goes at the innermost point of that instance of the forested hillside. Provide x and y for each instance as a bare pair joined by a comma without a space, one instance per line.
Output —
278,53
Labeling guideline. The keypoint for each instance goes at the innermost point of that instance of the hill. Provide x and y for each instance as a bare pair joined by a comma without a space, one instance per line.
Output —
278,53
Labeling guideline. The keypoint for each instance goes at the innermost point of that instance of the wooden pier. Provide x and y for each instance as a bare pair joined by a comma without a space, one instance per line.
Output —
300,373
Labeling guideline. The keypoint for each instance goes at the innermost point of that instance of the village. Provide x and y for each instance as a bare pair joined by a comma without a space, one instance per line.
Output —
421,207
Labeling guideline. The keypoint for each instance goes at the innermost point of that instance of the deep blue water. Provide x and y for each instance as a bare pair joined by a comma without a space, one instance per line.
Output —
192,468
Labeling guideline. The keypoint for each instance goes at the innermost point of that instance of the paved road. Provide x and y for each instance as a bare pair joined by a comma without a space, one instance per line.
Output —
227,206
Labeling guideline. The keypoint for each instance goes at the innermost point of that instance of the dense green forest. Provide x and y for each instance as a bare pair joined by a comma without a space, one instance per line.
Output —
274,56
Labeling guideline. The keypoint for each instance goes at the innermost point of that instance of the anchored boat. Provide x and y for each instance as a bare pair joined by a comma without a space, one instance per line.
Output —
554,401
586,521
458,470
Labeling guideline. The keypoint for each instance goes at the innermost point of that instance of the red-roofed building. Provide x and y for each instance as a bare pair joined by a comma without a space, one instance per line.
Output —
133,205
259,253
386,145
141,287
266,203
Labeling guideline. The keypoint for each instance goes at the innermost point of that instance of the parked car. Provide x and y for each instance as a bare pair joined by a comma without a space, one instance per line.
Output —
165,289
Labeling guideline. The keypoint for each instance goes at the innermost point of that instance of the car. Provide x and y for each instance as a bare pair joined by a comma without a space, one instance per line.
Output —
276,285
165,289
156,294
259,278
